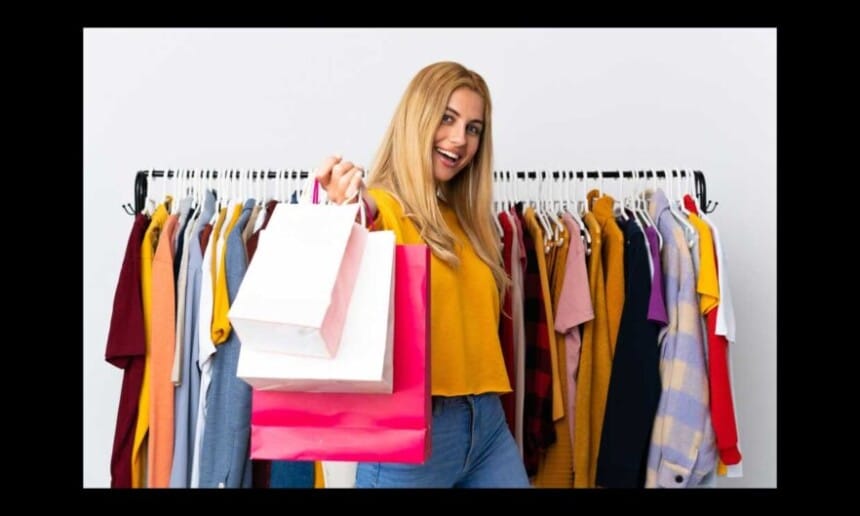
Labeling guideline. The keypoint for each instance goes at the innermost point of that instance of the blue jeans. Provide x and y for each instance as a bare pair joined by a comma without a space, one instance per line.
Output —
471,446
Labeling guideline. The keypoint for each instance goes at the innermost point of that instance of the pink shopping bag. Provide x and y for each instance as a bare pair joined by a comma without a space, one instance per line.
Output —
362,427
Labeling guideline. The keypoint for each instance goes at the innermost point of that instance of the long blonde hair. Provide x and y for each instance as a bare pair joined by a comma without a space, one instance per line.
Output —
403,166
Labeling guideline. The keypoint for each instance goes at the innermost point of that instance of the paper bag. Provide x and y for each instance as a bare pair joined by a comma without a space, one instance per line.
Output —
295,295
364,359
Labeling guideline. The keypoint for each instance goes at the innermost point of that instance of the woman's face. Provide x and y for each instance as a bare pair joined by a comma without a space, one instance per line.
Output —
458,135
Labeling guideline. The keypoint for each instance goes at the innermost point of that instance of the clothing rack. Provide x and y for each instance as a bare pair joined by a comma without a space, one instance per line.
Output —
708,206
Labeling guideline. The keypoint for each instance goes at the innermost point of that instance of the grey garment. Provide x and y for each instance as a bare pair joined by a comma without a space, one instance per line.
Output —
181,281
225,457
185,206
187,393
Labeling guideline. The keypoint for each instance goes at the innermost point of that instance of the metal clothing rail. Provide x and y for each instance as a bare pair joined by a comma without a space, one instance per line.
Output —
708,206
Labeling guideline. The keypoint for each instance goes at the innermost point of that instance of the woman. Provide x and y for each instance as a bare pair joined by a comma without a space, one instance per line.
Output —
431,184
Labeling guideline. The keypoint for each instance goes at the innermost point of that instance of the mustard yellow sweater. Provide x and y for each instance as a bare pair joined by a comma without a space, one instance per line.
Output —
465,353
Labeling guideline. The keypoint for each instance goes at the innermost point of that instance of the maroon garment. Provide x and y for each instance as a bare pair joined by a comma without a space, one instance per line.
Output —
251,244
538,427
506,325
204,237
126,349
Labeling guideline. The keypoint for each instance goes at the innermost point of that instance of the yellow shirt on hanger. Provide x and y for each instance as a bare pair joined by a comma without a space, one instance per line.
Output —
556,467
221,301
595,367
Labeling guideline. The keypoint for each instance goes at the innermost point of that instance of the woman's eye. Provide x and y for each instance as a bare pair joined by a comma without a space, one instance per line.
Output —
447,119
474,129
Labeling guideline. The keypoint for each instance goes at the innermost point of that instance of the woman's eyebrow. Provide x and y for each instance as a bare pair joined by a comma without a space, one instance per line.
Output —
478,120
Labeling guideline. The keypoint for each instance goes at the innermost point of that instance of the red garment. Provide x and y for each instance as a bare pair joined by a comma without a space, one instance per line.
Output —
126,349
204,237
720,387
506,326
251,244
538,426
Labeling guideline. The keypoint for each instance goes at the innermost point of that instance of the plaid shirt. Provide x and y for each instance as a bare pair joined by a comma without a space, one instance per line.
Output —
682,441
538,429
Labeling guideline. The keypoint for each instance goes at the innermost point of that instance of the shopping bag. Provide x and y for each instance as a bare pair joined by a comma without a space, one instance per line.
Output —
363,362
295,294
362,427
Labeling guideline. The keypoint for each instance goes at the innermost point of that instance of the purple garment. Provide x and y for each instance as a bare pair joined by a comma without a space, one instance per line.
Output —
656,303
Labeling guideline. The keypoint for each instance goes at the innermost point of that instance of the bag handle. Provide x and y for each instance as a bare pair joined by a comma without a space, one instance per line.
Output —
315,199
315,196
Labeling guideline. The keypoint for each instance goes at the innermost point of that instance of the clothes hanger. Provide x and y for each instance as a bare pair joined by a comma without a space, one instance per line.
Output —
574,213
618,203
555,208
548,231
689,230
495,210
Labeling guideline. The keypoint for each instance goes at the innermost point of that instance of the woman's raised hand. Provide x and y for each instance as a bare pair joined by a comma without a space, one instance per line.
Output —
340,179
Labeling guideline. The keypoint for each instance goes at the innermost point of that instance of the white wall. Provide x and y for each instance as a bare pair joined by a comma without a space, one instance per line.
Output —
563,99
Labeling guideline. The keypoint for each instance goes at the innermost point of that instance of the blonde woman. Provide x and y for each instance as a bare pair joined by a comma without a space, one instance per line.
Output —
431,184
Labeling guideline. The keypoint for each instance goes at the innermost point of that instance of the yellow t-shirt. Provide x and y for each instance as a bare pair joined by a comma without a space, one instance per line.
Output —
465,353
221,302
707,284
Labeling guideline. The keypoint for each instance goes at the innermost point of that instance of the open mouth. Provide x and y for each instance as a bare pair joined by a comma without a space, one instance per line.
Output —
449,158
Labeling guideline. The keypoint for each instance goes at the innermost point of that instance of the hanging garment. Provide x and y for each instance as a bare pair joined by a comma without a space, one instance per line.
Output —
556,467
677,457
595,366
719,374
506,324
187,393
204,338
634,386
180,274
518,267
147,250
160,458
126,349
574,309
539,431
226,460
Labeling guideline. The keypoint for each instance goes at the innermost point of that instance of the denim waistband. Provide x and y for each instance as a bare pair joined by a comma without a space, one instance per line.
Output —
440,402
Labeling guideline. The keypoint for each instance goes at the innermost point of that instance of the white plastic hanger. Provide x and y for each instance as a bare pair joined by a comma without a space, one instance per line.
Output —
540,211
555,208
574,212
689,231
619,201
684,188
497,202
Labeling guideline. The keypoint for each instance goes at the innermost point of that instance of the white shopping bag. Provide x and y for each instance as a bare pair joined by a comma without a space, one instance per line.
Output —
364,360
295,293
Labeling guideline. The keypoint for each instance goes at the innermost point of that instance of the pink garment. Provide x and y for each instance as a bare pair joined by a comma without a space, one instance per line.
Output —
574,309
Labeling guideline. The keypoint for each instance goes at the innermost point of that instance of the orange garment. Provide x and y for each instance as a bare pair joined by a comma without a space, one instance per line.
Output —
162,350
141,431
